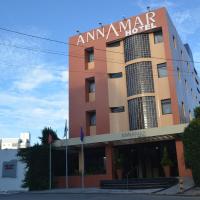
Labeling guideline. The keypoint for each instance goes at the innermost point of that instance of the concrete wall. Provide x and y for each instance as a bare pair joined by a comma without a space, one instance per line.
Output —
11,184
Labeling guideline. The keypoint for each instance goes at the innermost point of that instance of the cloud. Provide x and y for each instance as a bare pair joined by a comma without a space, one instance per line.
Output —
31,84
34,79
22,112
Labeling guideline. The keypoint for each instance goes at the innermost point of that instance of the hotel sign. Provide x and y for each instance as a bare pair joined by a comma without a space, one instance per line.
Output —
133,134
9,169
127,27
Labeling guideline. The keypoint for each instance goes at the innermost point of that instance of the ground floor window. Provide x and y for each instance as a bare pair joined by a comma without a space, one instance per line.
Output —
144,160
95,160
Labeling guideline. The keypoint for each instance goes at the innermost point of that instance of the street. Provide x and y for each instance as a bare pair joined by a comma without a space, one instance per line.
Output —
62,196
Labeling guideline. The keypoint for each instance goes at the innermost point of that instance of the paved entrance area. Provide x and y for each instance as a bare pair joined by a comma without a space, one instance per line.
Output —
62,196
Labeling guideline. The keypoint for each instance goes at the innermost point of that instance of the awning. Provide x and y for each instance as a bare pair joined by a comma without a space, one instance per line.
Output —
136,136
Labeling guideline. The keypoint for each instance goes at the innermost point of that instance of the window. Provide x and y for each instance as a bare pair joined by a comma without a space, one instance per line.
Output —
115,75
183,115
158,36
139,78
162,70
92,118
166,106
186,84
117,109
89,54
142,113
113,44
188,66
179,73
136,46
181,54
174,42
91,85
197,82
95,160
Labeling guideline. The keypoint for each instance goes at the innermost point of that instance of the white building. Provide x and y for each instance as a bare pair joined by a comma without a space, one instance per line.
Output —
15,143
12,171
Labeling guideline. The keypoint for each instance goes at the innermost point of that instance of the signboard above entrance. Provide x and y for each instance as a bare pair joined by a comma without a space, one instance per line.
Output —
127,27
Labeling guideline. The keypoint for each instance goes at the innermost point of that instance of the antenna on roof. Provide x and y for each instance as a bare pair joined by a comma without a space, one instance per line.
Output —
78,32
148,8
123,17
100,24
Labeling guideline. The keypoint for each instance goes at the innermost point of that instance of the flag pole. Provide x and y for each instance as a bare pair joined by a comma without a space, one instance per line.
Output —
50,166
66,151
82,152
82,156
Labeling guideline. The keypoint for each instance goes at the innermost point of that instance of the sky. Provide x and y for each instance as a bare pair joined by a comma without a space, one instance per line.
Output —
34,84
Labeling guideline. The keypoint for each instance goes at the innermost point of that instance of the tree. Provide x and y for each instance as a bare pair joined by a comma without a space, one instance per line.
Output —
36,159
45,134
191,141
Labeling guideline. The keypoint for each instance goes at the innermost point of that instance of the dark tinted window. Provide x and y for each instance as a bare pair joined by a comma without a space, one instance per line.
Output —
115,75
113,44
162,70
92,118
166,106
139,78
89,54
158,36
142,113
137,46
117,109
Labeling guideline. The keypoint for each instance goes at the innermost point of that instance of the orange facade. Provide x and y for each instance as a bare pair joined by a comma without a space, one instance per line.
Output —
97,112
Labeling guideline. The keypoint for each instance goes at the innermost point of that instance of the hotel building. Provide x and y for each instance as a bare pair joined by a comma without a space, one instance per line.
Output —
132,88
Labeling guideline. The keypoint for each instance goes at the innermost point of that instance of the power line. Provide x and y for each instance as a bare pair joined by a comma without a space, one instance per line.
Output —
63,53
94,72
33,36
66,43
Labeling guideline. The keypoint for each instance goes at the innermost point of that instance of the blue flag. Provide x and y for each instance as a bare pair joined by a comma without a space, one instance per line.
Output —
81,134
66,129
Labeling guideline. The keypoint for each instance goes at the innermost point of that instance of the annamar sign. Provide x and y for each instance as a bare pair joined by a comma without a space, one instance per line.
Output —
127,26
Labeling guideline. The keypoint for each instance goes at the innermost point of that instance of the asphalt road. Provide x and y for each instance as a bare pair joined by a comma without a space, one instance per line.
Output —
37,196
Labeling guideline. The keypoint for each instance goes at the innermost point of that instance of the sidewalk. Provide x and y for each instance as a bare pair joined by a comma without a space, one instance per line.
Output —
192,192
187,184
99,191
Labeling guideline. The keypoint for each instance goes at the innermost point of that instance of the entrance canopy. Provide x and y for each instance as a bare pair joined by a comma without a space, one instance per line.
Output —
136,136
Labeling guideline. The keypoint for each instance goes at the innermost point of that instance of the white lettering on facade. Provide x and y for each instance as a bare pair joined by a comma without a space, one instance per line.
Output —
128,33
129,27
100,33
90,36
80,40
114,31
150,17
138,21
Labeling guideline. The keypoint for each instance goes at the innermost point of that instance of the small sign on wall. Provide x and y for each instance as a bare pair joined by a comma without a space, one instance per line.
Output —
9,169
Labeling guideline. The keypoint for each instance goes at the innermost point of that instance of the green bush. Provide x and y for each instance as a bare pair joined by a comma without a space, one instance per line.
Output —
165,159
36,159
191,141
